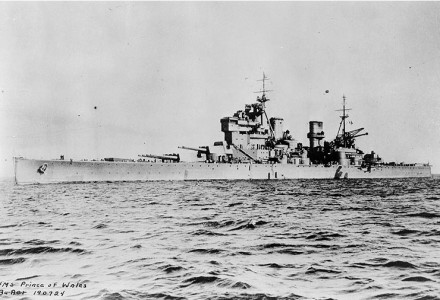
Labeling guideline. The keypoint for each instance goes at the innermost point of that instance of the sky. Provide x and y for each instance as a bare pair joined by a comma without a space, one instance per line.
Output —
118,79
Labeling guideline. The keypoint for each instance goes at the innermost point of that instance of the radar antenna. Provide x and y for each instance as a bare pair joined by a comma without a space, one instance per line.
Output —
263,98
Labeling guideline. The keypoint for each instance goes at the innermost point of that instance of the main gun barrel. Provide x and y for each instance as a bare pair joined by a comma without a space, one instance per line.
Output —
203,150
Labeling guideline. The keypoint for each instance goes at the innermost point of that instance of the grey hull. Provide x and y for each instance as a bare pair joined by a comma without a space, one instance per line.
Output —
32,171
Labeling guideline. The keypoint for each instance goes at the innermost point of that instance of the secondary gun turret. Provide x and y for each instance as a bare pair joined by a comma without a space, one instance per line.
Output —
170,157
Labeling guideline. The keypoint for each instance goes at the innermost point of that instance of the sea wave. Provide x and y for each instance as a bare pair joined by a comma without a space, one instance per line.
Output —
286,239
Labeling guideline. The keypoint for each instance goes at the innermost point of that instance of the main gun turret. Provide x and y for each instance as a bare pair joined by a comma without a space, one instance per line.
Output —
203,150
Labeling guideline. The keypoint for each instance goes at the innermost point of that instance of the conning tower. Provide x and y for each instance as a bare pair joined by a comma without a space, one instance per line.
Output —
254,137
250,128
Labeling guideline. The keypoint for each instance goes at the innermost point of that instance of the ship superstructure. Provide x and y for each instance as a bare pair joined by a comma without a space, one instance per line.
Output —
250,136
254,147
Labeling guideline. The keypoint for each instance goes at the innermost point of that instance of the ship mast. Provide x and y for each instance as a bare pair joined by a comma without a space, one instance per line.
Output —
263,100
343,117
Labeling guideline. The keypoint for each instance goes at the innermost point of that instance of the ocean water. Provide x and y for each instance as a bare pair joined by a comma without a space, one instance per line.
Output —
286,239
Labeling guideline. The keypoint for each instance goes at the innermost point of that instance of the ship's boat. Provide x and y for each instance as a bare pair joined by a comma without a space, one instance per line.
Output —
254,147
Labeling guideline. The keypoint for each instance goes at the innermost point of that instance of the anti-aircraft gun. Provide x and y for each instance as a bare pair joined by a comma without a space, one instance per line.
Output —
166,157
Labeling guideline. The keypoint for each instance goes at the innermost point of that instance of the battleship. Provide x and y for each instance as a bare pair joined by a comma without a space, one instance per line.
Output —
255,147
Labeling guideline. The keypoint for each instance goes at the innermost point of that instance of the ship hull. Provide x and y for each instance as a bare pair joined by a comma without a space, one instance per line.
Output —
31,171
